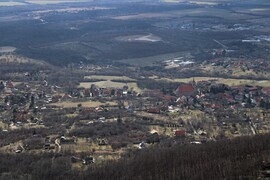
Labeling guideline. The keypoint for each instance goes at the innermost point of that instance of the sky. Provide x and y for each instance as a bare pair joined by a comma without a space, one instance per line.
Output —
24,2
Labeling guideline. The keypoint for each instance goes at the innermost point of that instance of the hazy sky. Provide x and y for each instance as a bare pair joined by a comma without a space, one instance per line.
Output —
24,2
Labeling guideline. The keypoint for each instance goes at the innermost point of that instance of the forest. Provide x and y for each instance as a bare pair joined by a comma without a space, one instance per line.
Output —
239,158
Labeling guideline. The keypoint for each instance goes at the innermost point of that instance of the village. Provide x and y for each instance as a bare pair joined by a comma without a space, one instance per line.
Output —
97,122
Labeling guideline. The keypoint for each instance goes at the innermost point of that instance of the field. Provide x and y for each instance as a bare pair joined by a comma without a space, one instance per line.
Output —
84,104
152,60
143,38
110,84
230,82
109,78
238,73
107,82
205,3
2,125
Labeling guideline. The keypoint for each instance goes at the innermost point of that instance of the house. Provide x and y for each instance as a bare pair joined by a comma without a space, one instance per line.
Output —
118,92
47,146
202,132
99,109
153,138
75,159
88,160
20,117
125,87
266,91
106,92
64,140
153,93
102,142
67,97
154,110
87,93
9,85
54,99
195,142
180,133
185,89
142,145
216,106
169,98
47,143
86,111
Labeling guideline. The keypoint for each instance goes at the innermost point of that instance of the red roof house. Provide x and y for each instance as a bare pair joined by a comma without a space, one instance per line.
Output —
185,89
180,133
266,90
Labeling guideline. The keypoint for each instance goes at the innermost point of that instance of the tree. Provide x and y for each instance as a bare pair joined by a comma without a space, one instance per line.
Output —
32,102
2,86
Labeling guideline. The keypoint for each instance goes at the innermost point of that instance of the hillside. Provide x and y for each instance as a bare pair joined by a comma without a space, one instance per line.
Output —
240,158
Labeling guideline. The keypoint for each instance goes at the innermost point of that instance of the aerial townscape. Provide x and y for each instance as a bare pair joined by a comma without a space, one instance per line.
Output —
154,89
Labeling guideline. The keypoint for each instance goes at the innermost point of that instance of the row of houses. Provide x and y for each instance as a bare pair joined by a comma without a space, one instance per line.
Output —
210,96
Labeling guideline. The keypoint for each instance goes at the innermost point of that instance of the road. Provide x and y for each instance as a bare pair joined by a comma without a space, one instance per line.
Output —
224,46
57,143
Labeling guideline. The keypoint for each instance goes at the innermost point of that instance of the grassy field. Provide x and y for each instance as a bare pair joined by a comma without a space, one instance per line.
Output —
109,78
106,81
262,74
84,104
3,125
166,131
111,84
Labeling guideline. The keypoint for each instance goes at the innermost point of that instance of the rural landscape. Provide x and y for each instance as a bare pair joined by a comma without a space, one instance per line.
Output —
154,89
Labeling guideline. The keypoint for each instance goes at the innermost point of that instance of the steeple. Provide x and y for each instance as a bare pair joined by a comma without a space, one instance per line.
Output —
193,82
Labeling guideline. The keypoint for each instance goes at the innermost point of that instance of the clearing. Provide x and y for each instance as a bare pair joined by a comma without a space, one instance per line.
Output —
139,38
70,104
109,78
110,84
